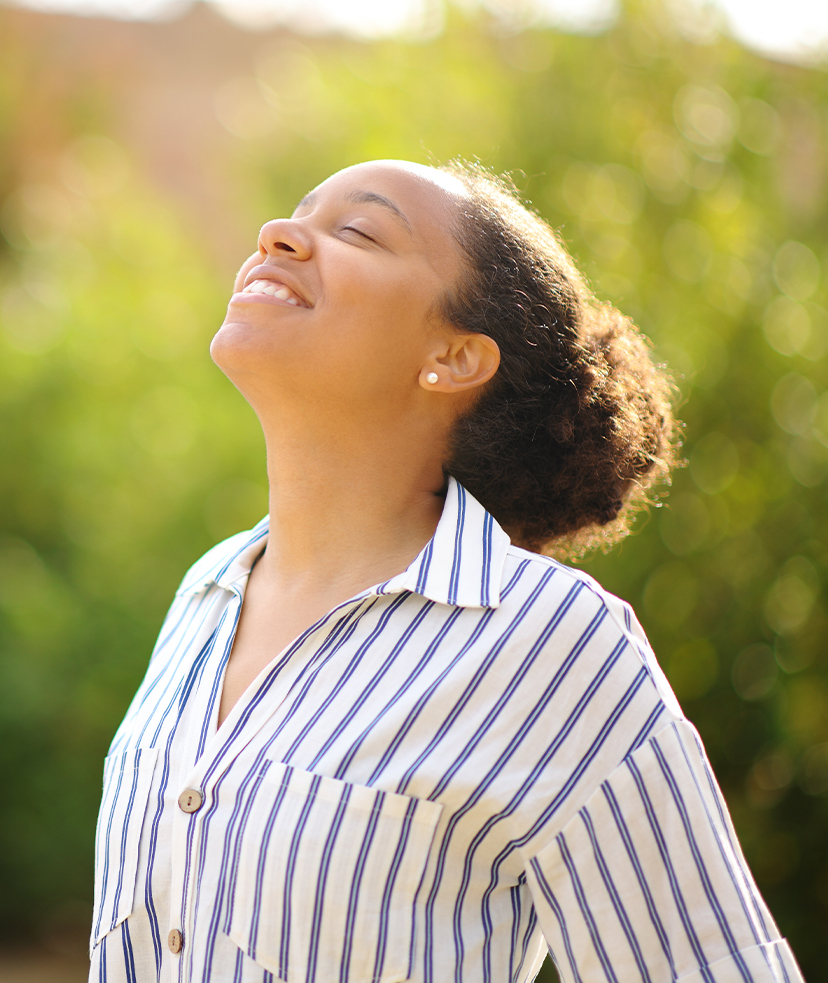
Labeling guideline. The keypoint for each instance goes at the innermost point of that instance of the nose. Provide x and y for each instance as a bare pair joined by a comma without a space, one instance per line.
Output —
283,235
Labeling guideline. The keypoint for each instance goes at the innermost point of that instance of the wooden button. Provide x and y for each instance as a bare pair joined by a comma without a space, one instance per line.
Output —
190,800
175,940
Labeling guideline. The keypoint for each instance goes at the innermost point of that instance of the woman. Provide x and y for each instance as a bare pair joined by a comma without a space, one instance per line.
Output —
378,741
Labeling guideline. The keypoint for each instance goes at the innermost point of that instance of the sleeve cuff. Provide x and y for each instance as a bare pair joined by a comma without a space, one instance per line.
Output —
772,962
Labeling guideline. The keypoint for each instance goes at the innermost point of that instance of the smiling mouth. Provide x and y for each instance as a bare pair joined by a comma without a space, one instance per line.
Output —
274,289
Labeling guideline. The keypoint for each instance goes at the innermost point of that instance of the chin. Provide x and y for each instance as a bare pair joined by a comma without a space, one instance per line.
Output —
235,349
247,357
222,345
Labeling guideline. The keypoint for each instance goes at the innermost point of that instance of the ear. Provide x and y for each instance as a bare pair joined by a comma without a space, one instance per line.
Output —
464,363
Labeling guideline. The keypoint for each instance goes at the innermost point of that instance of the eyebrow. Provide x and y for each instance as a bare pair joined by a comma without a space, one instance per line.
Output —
366,198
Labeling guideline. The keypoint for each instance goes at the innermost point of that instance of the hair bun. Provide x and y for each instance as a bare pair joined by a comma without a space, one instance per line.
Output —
566,441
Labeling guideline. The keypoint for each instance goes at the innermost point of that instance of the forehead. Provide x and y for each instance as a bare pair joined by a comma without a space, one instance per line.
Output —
425,197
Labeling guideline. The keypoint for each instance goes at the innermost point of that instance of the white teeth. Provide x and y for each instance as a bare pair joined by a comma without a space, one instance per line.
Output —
272,289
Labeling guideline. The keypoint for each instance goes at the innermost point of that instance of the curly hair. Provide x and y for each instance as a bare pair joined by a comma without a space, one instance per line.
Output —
566,441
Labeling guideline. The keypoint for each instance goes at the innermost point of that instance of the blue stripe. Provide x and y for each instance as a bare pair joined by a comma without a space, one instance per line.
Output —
228,868
129,955
675,887
701,866
257,896
234,837
615,897
457,558
721,831
586,912
104,879
652,909
322,882
356,884
559,914
149,901
485,574
528,936
393,873
238,969
103,961
128,819
425,565
290,873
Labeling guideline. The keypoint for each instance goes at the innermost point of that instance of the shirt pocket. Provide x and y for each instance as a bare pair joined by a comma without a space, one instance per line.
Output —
126,790
325,877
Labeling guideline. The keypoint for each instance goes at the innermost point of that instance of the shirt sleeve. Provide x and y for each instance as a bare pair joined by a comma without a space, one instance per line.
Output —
648,882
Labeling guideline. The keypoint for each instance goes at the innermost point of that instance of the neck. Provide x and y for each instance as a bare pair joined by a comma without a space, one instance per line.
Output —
348,510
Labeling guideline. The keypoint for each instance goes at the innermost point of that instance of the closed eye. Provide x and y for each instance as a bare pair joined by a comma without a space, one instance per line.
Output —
359,232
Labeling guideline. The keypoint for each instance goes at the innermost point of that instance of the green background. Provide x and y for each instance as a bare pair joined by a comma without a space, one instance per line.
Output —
688,176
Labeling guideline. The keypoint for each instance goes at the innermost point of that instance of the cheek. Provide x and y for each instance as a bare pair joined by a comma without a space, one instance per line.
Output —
247,266
388,334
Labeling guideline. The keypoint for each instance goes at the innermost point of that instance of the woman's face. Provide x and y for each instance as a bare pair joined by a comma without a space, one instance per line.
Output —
336,308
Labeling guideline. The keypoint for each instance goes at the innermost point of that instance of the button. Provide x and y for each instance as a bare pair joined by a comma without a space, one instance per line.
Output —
190,800
175,940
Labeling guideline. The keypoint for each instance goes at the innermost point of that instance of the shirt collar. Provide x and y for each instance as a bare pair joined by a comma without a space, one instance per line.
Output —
462,564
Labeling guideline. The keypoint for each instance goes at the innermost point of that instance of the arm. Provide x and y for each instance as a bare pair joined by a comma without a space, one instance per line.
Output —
648,882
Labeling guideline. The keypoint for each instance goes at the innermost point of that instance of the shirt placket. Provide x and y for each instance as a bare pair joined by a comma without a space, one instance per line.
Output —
188,812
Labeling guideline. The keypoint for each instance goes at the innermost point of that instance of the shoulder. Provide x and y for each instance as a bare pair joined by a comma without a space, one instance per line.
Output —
215,565
548,593
544,570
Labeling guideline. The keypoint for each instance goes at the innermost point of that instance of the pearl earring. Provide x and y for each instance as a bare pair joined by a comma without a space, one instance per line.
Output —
432,377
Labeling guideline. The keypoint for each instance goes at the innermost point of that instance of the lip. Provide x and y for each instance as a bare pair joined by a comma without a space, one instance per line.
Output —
276,275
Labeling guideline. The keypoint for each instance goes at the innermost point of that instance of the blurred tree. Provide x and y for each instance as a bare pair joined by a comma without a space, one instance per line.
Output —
689,178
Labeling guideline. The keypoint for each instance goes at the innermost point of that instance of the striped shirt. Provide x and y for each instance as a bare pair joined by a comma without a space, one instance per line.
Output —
448,773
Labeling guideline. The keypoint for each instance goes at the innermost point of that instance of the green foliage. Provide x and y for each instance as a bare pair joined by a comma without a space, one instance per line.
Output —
122,451
689,181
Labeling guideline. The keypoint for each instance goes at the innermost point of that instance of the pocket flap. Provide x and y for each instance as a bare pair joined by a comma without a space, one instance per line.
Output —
126,789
